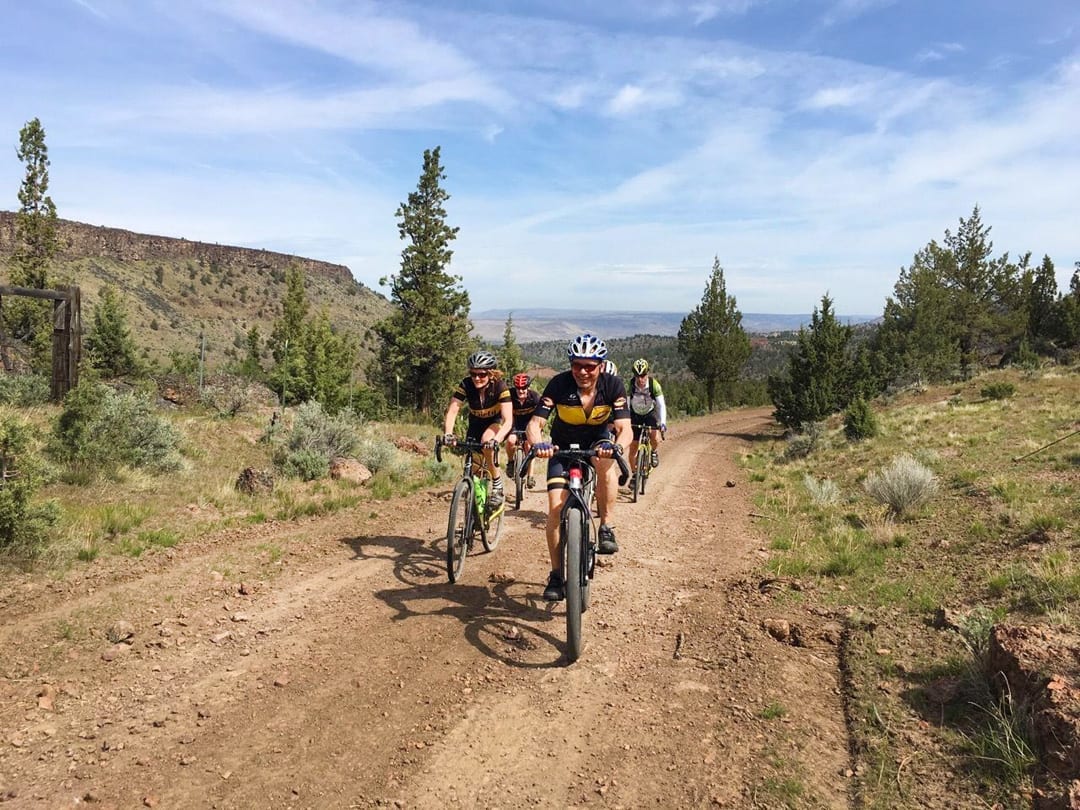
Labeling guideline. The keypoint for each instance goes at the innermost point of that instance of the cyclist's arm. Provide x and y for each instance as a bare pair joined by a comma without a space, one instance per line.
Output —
532,430
661,410
506,412
623,434
451,415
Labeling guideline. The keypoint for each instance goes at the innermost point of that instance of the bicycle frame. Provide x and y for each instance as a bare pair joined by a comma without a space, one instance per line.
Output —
459,539
577,547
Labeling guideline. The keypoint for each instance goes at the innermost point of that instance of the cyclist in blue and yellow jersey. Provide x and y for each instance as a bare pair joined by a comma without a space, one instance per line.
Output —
647,411
524,400
490,414
589,406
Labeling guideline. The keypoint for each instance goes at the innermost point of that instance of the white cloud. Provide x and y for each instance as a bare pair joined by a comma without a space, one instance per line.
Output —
939,52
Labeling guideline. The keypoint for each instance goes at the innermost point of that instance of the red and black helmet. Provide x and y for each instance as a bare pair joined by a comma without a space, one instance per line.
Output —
522,380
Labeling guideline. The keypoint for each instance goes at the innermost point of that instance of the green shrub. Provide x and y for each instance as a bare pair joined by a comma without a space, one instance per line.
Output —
315,440
377,454
307,464
803,443
859,420
24,524
901,485
102,429
998,390
24,390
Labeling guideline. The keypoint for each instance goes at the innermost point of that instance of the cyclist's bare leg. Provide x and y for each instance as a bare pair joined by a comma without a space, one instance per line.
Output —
607,488
556,499
654,437
489,454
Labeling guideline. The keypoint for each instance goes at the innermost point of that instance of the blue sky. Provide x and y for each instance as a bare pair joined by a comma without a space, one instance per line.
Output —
597,153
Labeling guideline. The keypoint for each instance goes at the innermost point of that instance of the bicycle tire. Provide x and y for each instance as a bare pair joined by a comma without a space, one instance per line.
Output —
519,477
576,580
491,528
642,467
458,529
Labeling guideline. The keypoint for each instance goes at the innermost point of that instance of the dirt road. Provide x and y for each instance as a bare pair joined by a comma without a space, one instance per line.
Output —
328,663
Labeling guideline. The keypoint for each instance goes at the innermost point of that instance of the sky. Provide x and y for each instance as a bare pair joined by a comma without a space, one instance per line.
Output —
596,154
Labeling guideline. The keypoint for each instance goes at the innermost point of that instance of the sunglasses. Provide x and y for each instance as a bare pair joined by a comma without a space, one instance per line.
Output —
587,368
479,375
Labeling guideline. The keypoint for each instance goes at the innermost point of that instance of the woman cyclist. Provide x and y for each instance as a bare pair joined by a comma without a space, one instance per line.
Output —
524,400
490,415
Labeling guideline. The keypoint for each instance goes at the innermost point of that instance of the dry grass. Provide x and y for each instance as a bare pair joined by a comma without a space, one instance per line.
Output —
999,536
133,510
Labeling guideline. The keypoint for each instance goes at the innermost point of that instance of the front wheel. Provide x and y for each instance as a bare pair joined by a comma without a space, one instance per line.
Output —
642,471
519,476
576,579
491,529
459,529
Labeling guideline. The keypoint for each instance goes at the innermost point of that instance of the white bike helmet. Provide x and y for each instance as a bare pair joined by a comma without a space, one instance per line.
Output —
586,347
482,359
611,368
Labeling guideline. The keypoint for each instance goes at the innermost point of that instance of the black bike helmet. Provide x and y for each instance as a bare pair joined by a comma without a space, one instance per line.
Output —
482,359
586,347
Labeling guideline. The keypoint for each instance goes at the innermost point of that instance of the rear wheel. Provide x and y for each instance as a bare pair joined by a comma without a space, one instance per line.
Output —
576,582
458,529
519,476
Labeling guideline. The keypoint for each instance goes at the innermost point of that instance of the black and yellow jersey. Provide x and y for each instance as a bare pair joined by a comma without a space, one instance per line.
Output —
572,423
523,411
484,403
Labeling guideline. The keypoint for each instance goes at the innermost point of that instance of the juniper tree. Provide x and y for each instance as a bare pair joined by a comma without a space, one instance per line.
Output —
711,337
820,378
109,345
512,362
36,242
425,340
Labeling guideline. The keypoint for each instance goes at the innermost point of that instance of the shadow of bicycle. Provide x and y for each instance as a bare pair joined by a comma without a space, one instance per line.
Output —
503,620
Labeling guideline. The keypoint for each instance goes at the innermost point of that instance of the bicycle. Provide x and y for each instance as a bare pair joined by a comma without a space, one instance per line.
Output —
643,464
518,463
469,514
577,543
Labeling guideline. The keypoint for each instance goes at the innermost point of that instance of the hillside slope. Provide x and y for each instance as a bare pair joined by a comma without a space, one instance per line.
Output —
175,289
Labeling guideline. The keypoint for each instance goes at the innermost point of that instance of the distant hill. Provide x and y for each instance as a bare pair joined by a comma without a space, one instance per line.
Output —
551,324
174,289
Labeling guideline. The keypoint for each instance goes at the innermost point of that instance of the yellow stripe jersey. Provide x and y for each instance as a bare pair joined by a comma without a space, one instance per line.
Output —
573,424
483,402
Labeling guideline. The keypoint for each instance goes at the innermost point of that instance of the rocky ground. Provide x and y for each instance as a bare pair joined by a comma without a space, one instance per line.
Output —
328,663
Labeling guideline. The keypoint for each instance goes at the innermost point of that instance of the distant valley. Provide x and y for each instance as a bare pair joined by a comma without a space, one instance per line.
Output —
553,324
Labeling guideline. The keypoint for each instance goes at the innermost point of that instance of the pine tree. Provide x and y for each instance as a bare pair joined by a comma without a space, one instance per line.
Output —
819,377
917,341
286,341
711,337
36,242
313,361
109,345
424,342
978,287
512,361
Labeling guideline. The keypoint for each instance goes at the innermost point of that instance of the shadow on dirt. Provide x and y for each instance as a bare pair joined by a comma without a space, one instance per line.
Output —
500,618
770,436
